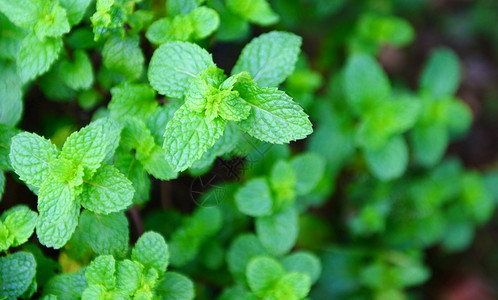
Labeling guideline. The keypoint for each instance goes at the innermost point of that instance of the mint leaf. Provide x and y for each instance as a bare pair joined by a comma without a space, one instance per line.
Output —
101,272
112,134
77,74
10,92
132,100
128,276
23,13
30,155
181,7
6,134
278,233
65,171
106,234
429,143
20,221
262,274
86,147
269,58
241,251
107,191
66,286
151,251
257,11
135,172
441,74
254,198
52,20
124,55
75,9
58,213
188,136
274,117
175,286
205,21
156,164
309,169
17,271
35,56
389,161
298,284
174,64
365,83
303,262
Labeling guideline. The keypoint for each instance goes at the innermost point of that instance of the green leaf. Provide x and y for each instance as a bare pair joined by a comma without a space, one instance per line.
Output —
262,274
174,64
30,156
181,7
101,272
124,55
52,20
2,184
58,213
303,262
156,164
128,276
77,74
65,171
241,251
269,58
11,106
256,11
23,13
86,147
132,100
389,161
205,21
441,74
106,234
35,56
175,286
282,177
274,117
278,233
6,134
429,143
188,136
112,134
67,286
365,83
107,191
254,198
134,171
20,221
309,169
460,117
17,271
151,251
298,284
75,9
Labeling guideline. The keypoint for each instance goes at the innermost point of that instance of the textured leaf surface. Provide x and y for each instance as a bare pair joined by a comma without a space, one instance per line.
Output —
75,9
188,135
278,232
35,57
22,13
106,234
174,64
101,272
124,56
132,100
128,275
86,146
151,251
20,221
274,117
6,134
67,286
254,198
17,271
269,58
107,191
30,155
58,213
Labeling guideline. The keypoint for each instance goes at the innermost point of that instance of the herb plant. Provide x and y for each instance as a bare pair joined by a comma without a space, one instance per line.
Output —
221,149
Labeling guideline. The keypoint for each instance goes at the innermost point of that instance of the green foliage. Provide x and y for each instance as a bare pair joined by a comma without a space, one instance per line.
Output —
205,87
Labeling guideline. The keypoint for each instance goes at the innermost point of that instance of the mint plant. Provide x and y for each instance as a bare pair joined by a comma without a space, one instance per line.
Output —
244,149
